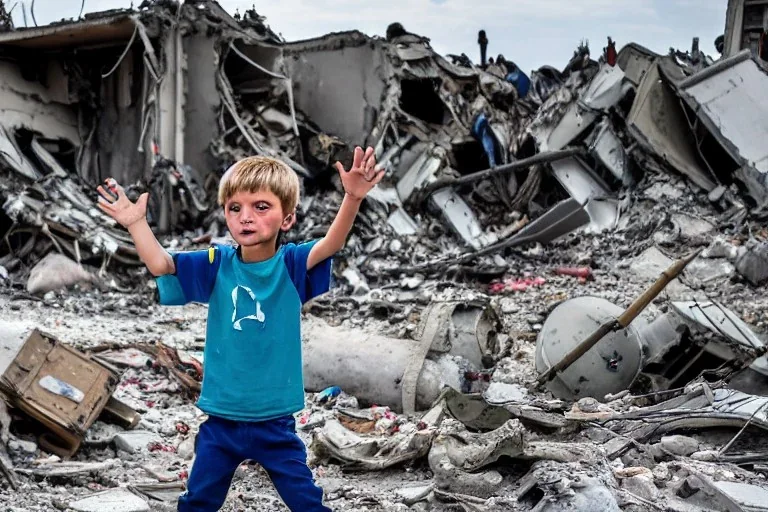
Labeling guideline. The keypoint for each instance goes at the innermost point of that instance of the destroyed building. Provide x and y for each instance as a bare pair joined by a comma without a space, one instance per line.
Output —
166,99
521,214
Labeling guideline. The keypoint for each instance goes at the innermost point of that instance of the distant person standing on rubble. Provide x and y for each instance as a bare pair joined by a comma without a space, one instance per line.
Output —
252,378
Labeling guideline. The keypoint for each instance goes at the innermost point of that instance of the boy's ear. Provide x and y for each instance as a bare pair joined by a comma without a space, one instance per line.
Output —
288,222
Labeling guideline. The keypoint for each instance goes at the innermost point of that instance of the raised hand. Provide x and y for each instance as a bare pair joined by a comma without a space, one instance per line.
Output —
363,175
122,209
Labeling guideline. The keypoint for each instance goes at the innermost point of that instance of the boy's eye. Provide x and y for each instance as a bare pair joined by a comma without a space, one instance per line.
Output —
234,208
262,207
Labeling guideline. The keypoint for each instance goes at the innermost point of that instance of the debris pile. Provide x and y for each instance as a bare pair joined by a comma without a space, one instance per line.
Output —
552,302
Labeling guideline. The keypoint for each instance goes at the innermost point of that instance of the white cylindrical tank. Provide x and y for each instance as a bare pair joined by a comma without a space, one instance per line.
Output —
608,367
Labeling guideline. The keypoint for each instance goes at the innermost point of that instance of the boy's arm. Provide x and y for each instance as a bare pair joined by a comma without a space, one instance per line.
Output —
133,217
157,259
182,278
336,237
358,181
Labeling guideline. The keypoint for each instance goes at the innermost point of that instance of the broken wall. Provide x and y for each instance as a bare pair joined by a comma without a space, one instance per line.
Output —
331,75
203,102
745,23
96,70
30,104
171,121
121,149
658,123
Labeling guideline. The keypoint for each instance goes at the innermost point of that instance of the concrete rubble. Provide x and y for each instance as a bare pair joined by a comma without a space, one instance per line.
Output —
521,214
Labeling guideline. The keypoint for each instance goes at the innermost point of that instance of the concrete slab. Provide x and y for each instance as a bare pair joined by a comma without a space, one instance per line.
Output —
133,441
13,334
113,500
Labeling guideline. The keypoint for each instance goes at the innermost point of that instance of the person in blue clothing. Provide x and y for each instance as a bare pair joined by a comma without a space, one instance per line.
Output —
252,378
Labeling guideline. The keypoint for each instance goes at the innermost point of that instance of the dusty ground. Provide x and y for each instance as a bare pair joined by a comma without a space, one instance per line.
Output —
91,318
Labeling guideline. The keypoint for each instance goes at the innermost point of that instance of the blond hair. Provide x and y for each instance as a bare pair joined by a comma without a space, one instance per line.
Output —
257,173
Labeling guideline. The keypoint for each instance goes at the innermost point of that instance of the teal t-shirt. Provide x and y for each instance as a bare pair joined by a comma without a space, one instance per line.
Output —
252,359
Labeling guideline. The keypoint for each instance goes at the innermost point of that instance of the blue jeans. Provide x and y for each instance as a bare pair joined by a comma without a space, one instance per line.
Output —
221,446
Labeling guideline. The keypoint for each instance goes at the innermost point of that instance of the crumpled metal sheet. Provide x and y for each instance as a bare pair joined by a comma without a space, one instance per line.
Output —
474,411
588,486
603,91
588,190
729,100
370,452
700,408
14,158
715,317
461,218
608,149
69,216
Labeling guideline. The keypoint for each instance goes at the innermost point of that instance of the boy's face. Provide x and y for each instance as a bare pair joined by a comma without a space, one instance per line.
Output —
256,218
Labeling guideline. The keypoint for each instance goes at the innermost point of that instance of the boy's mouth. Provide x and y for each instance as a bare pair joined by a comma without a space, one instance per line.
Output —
247,232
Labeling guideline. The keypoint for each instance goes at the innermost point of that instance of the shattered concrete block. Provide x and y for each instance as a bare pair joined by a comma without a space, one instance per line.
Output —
680,445
22,447
703,271
721,248
642,486
470,451
661,473
56,272
639,457
113,500
750,497
134,441
664,192
356,280
753,264
186,449
501,393
649,265
412,495
585,488
658,453
689,487
335,442
690,227
68,469
706,455
449,477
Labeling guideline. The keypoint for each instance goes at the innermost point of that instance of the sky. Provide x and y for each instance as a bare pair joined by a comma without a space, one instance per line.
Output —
531,33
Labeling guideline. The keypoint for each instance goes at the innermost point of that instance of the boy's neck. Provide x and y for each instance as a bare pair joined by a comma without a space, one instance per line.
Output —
258,252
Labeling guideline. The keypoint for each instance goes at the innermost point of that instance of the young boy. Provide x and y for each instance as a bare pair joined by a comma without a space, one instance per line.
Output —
252,379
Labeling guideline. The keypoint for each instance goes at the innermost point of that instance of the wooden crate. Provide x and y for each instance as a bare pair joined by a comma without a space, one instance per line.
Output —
43,359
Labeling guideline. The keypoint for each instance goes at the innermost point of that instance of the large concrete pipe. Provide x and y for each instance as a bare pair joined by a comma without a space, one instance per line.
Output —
405,375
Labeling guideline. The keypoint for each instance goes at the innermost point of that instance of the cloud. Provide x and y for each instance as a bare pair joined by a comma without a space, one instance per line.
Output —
532,32
451,13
